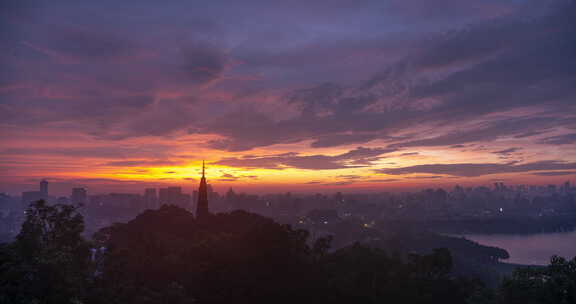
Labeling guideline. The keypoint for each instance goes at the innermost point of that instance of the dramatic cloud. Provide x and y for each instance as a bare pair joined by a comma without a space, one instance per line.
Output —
488,131
351,177
386,180
226,177
204,63
341,139
109,84
425,177
485,68
457,83
359,157
565,139
141,163
344,183
472,170
555,173
104,180
507,153
119,151
409,154
350,181
479,72
313,182
86,45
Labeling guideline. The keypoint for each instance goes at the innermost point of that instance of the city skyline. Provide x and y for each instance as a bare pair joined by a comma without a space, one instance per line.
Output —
372,96
44,190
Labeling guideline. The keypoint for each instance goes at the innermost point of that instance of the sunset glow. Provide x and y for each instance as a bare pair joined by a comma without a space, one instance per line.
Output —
115,97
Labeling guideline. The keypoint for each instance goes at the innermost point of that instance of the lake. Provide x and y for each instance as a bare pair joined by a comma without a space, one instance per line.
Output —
531,249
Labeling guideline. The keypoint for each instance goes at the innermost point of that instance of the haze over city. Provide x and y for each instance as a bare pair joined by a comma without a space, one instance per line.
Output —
298,96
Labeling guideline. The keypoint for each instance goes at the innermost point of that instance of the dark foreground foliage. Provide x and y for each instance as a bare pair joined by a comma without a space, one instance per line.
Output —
49,262
168,256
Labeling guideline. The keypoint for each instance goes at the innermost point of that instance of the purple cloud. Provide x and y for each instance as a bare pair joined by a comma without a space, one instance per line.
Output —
479,169
565,139
359,157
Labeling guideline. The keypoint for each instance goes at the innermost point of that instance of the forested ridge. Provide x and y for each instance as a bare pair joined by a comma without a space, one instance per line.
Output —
169,256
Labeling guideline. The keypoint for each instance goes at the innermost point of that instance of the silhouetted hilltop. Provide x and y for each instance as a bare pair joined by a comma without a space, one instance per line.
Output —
170,256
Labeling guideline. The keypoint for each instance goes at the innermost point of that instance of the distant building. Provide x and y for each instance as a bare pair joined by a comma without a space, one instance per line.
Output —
44,189
230,195
150,198
169,196
79,196
195,196
116,200
29,197
63,200
173,196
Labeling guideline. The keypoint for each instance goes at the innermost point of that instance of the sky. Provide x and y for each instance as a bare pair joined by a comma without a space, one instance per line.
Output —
286,95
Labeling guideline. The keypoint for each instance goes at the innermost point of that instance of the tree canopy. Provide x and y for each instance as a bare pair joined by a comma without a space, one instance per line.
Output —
168,256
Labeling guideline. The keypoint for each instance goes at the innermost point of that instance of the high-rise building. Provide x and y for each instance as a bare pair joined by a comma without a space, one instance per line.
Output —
44,189
202,204
79,196
168,196
173,196
29,197
150,198
212,195
230,195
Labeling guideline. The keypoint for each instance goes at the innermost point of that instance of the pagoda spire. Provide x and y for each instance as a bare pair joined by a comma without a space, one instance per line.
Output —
202,203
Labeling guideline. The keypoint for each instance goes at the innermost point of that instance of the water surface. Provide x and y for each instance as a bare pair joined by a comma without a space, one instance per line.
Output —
531,249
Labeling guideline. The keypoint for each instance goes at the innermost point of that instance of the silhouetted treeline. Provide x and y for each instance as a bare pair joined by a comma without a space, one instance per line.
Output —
168,256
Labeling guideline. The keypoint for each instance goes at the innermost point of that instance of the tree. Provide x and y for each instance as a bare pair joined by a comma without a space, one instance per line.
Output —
167,256
50,261
229,257
555,283
369,275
